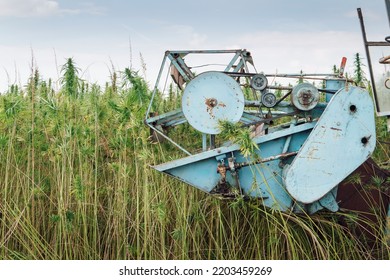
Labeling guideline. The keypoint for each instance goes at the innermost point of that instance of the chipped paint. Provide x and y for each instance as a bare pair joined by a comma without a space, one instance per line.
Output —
350,148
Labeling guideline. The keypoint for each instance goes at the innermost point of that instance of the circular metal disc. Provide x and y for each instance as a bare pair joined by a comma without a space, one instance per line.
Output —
305,96
268,99
211,97
259,82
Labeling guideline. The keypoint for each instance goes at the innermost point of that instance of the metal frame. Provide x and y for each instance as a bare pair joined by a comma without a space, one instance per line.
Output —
237,68
367,45
224,171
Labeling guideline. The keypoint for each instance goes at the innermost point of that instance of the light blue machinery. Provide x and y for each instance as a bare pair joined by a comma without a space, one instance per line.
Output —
311,133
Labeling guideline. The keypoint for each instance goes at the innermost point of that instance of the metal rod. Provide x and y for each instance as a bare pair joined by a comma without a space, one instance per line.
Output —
283,97
287,143
387,2
150,106
378,44
212,141
299,75
280,75
156,86
360,14
267,120
308,77
183,65
206,51
179,68
204,142
288,140
170,140
280,87
331,91
252,103
231,63
281,156
239,66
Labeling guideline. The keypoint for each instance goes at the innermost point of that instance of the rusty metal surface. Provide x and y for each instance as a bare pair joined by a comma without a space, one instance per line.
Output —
366,193
177,77
213,95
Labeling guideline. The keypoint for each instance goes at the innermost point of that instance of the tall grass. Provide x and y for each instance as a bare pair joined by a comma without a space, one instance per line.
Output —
76,184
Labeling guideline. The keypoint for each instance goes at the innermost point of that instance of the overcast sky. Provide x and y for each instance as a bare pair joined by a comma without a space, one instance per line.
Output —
283,36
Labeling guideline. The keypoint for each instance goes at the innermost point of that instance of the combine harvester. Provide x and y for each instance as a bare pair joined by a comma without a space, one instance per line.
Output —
310,136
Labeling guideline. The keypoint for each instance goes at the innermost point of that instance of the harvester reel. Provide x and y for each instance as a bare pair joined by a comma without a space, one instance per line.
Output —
310,139
212,97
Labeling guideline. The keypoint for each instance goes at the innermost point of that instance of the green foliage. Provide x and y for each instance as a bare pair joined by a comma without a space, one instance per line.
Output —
137,86
359,75
12,105
238,135
79,189
70,80
92,194
335,70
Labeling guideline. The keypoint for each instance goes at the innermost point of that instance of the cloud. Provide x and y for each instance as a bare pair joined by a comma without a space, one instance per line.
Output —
28,8
44,8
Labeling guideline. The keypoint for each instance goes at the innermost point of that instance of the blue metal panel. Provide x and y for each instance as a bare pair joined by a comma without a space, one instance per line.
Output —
160,119
328,201
342,140
263,180
333,85
312,176
233,147
295,167
200,174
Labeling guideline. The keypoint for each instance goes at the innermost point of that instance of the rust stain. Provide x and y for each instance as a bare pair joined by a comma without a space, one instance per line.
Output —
210,103
367,199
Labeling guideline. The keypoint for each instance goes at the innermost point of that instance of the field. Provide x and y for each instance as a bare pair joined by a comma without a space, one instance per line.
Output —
76,183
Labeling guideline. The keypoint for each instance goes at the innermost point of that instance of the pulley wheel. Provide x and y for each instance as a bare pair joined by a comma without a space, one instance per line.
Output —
268,99
212,97
259,82
305,96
